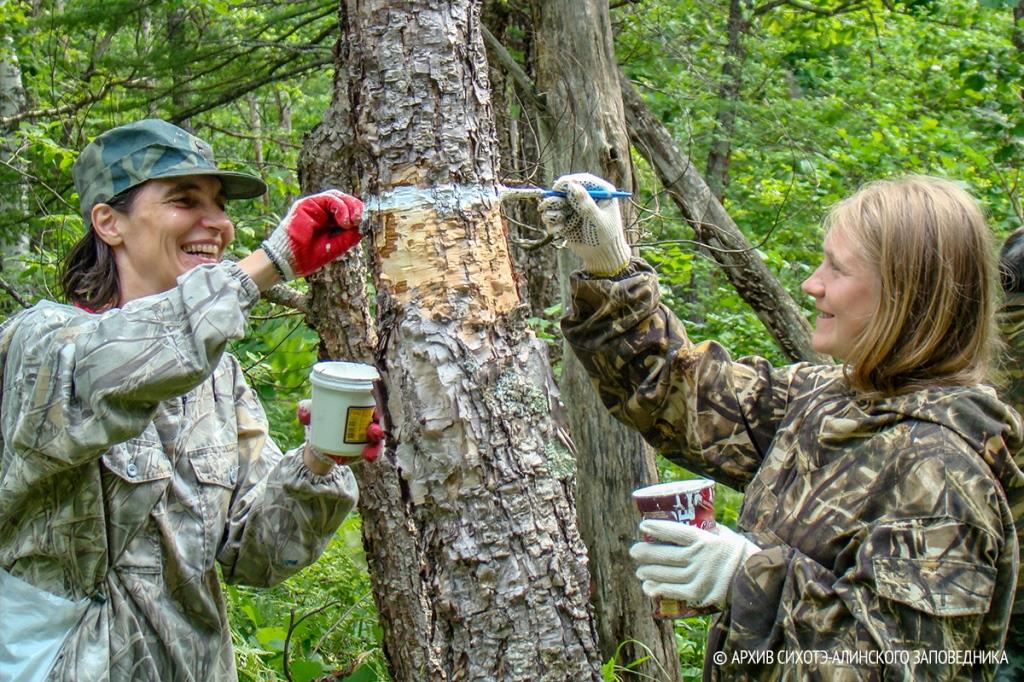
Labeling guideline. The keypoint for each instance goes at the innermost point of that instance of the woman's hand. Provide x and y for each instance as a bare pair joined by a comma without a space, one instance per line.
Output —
695,566
317,230
322,462
591,229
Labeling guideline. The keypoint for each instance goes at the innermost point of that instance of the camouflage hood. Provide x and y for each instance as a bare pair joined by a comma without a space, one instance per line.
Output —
991,428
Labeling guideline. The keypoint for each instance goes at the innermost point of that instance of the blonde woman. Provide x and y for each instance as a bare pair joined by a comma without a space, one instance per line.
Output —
876,539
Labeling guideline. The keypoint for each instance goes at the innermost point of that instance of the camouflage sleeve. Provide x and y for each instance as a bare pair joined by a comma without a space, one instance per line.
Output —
692,403
916,591
282,514
85,382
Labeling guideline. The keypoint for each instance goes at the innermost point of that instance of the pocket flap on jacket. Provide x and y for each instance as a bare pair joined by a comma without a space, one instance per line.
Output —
216,465
936,586
138,461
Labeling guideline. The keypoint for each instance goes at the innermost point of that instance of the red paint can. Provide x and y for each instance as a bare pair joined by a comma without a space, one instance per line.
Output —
691,502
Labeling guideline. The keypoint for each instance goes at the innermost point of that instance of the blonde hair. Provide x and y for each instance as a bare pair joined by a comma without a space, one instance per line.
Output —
928,242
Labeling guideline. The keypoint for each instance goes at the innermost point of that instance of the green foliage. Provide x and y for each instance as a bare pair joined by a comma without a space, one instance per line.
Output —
322,620
277,355
824,104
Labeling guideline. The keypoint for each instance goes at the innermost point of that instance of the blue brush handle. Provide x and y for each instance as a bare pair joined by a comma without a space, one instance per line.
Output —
595,194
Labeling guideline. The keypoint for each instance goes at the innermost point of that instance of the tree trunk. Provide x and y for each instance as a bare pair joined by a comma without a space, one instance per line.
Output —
1017,36
717,170
585,131
478,569
751,278
516,117
14,194
175,28
340,313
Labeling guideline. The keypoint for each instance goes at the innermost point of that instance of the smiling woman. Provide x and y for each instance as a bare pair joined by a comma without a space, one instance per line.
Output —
877,521
135,457
172,226
846,292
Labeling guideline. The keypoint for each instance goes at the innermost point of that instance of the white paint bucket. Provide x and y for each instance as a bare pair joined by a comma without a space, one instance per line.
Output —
342,406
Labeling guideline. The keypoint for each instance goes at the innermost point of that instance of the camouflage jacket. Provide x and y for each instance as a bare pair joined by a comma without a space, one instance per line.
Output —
887,538
1011,365
1010,379
134,457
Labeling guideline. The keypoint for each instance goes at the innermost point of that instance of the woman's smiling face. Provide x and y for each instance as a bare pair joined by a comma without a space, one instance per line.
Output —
173,225
846,292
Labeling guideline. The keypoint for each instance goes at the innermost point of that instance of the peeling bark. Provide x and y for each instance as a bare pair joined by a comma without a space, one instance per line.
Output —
478,569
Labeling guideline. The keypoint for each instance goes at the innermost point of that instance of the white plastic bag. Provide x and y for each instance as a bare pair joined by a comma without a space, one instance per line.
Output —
33,627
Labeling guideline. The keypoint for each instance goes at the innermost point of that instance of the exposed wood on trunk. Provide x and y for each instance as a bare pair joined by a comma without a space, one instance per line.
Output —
751,278
487,577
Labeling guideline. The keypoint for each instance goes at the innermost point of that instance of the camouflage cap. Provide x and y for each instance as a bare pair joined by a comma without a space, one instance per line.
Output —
129,155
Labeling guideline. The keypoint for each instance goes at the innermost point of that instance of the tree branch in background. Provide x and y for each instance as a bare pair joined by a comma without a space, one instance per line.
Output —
513,69
57,112
841,8
749,275
248,87
283,295
14,293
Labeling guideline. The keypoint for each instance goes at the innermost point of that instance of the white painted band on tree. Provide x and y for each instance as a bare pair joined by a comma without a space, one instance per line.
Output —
445,199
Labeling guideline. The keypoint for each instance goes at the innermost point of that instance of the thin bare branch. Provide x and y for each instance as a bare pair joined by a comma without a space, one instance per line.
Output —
57,112
841,8
250,86
6,286
513,69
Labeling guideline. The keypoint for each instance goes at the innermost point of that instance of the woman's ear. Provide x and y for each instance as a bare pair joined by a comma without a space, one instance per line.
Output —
106,225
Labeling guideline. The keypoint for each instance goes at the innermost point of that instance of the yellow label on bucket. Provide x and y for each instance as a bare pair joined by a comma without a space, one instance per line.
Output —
356,423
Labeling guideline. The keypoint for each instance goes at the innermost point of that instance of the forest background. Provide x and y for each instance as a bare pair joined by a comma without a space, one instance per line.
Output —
783,106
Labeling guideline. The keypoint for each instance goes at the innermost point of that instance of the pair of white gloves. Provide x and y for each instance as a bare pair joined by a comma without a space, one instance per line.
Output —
676,561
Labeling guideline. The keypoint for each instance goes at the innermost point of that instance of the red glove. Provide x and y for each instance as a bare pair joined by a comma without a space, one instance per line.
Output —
317,229
374,434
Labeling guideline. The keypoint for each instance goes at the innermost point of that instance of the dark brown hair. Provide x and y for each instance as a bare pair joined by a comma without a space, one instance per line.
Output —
88,276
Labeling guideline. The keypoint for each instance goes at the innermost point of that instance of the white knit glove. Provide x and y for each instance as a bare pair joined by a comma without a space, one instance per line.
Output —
591,229
696,568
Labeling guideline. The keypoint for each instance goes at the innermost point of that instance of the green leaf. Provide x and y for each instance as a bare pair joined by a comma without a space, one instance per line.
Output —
975,81
1004,153
304,670
272,639
363,673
